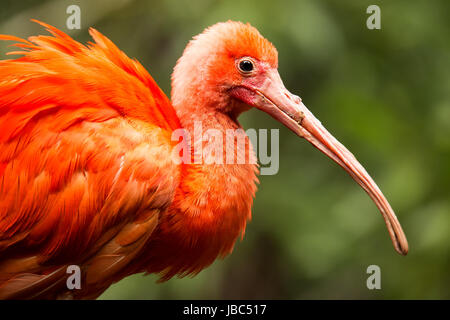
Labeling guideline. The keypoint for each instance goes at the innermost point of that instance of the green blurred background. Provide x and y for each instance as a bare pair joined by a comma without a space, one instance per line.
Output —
384,93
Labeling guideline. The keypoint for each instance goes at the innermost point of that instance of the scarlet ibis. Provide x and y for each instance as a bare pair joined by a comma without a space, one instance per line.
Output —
87,168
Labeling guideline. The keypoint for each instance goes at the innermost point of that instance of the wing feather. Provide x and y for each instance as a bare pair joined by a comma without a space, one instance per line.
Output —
85,141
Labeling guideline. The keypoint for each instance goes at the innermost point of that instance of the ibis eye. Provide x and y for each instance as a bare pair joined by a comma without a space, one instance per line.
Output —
246,66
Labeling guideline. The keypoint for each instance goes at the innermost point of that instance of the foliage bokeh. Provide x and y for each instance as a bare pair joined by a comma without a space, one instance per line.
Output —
384,93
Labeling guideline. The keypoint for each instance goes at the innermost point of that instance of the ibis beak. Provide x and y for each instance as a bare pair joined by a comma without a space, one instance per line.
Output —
277,101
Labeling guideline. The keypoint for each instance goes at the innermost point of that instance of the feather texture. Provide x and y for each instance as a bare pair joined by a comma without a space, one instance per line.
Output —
86,170
85,141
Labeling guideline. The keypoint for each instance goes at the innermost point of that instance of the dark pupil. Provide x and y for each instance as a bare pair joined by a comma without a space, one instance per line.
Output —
246,66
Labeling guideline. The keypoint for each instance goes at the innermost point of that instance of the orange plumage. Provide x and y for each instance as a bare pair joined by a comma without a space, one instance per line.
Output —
86,162
87,173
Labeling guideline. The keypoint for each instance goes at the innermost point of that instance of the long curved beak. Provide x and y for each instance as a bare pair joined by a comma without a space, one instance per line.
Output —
277,101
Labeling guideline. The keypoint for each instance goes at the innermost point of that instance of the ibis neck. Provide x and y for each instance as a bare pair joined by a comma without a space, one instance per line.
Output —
212,203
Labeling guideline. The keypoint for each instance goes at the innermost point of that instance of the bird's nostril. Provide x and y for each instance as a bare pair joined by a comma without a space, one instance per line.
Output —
293,97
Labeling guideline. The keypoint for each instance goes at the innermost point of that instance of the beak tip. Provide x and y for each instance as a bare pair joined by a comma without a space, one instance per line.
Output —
402,248
405,251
